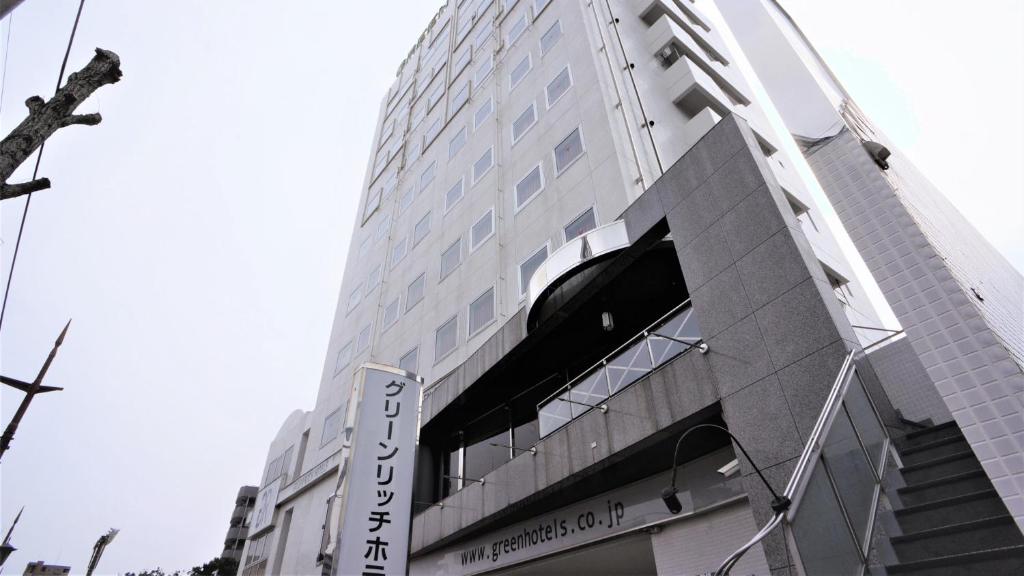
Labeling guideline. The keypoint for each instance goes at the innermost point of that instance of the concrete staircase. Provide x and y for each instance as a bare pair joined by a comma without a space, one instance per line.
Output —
952,521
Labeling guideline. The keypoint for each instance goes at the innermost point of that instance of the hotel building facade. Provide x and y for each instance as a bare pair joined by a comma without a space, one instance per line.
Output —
580,229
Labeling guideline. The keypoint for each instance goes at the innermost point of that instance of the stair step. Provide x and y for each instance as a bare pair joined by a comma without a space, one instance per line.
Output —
931,450
927,435
940,467
1008,560
972,536
953,510
945,487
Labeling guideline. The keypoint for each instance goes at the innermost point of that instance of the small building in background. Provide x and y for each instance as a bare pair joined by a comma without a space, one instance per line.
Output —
238,528
41,568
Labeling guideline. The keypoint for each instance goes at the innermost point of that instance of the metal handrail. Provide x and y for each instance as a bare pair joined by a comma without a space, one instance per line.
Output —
802,472
632,340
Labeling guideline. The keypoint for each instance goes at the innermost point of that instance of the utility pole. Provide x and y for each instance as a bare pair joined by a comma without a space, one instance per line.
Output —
6,548
98,548
30,390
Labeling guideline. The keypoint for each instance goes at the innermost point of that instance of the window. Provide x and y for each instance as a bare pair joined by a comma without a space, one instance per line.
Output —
355,297
427,176
482,113
414,151
383,227
446,338
422,228
519,72
406,200
551,37
414,293
373,280
453,195
481,230
558,86
332,424
483,34
539,6
460,62
517,29
410,361
529,266
432,132
483,165
451,258
344,357
364,248
372,202
390,314
529,186
580,225
398,251
568,151
481,312
460,99
456,143
483,70
524,122
435,95
363,342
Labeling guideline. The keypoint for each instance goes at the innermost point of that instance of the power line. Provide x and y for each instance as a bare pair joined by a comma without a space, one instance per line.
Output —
39,157
7,51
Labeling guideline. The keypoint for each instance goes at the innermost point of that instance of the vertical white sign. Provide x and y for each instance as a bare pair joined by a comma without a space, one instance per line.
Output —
377,499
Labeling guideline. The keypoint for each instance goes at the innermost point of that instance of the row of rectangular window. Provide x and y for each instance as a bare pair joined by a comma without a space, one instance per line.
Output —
480,314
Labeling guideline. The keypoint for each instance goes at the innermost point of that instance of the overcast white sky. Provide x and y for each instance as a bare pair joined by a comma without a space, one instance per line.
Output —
197,236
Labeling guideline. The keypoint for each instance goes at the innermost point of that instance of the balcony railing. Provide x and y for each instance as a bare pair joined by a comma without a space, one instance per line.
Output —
671,335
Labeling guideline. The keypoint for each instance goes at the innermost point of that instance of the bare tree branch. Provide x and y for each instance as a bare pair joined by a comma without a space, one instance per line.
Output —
46,117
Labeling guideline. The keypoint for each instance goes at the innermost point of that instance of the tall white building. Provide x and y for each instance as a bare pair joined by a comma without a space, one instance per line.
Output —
516,153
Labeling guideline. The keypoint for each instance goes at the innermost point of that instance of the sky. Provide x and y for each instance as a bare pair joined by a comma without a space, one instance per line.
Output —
197,236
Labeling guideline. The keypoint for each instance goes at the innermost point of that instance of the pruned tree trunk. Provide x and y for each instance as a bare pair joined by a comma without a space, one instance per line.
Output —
45,118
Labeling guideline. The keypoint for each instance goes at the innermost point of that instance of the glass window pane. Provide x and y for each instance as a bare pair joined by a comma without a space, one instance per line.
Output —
405,200
415,292
481,311
483,457
482,230
453,195
849,469
866,421
427,176
629,366
483,71
410,362
398,252
682,326
581,225
373,280
344,357
391,313
526,435
550,38
568,150
451,258
460,99
363,342
483,164
821,535
422,228
592,390
529,186
558,86
355,297
482,113
446,338
520,71
331,425
554,414
456,143
524,122
517,29
527,268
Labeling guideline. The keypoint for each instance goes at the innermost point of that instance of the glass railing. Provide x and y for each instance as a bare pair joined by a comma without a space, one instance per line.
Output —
671,335
836,484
